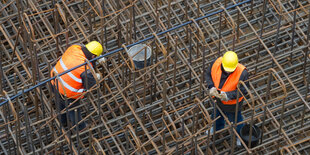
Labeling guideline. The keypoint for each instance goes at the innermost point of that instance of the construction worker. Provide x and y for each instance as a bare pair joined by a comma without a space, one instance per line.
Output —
222,77
72,84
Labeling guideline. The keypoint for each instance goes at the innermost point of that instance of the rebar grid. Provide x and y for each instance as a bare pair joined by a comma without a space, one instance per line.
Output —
163,108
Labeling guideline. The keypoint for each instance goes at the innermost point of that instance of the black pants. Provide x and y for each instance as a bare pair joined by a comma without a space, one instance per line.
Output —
61,104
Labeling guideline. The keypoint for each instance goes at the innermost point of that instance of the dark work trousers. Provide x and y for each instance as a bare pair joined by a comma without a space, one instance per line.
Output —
220,123
61,104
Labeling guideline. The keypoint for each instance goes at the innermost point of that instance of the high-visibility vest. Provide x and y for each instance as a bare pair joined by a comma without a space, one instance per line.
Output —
230,83
70,84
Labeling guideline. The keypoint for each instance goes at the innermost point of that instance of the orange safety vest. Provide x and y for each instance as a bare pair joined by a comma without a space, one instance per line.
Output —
71,81
230,83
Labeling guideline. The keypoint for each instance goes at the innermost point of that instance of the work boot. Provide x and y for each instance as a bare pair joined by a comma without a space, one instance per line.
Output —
238,142
211,131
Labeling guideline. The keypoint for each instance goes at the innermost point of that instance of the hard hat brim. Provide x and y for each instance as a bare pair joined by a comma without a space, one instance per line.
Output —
228,69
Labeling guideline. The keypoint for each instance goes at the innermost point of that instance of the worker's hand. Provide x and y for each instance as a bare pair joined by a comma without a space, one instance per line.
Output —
223,96
102,60
98,75
213,92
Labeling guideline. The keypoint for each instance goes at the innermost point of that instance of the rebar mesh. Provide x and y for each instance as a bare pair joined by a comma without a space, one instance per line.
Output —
164,108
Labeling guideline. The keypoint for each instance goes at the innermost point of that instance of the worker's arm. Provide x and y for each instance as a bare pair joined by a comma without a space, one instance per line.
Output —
233,94
90,79
208,77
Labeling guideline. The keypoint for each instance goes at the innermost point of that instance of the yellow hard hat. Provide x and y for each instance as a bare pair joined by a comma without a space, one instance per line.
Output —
94,47
230,61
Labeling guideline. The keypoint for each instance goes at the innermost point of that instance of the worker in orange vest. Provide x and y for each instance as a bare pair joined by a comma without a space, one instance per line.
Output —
222,78
71,85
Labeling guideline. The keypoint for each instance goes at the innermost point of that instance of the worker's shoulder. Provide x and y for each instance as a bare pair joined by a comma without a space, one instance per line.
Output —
241,65
79,44
75,47
244,74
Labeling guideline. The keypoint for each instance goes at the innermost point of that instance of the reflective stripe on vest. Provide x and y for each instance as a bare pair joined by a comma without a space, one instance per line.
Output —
67,85
230,83
71,81
70,74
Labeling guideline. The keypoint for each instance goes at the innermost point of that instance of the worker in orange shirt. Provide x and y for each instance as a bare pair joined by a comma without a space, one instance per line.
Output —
71,85
222,78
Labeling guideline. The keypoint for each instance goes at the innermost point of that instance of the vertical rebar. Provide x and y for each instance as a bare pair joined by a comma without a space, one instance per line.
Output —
251,126
220,35
307,85
193,144
195,141
261,34
281,124
165,85
28,133
189,70
17,115
144,88
16,42
127,142
234,125
306,49
41,94
90,21
57,100
99,94
77,130
67,32
105,26
102,22
202,95
19,11
56,22
238,25
6,121
135,104
68,123
198,8
152,92
214,124
183,134
37,75
177,147
293,29
174,69
119,32
169,24
265,106
277,36
134,22
208,139
1,71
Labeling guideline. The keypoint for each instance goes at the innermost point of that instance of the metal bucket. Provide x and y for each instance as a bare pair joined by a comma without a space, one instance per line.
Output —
245,134
139,58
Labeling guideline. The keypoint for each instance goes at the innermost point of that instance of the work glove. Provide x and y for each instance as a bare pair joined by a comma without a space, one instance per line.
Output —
213,92
102,60
99,77
223,96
